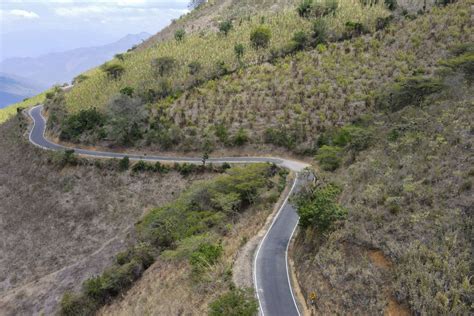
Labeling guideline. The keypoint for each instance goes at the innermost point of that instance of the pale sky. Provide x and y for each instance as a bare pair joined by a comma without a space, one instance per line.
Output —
30,28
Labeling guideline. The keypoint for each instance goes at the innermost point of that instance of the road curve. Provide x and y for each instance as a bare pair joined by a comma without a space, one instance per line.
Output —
271,273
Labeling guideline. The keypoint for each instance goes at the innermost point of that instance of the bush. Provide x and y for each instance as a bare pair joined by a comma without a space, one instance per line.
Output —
76,304
140,166
409,91
463,62
205,256
179,35
318,208
354,29
127,91
237,302
225,27
319,32
300,40
304,8
239,50
260,37
357,138
329,157
85,120
195,68
391,4
124,164
320,9
163,65
241,137
113,71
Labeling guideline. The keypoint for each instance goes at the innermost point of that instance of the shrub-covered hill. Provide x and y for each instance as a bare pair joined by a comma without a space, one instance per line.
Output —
391,230
176,94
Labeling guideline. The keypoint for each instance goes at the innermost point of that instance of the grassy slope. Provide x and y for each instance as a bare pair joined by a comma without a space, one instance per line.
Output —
312,91
408,234
207,48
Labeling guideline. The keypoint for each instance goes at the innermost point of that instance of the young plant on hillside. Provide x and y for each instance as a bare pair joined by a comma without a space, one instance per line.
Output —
260,37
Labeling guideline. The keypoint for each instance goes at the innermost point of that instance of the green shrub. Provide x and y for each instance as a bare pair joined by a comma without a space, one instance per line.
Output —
140,166
76,304
127,91
85,120
225,27
319,32
222,133
329,157
391,4
239,50
124,164
304,8
300,40
323,8
163,65
195,68
205,256
260,37
318,207
464,63
409,91
179,35
241,137
113,71
237,302
357,138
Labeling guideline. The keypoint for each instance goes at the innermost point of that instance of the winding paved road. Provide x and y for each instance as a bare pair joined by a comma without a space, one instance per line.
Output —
271,274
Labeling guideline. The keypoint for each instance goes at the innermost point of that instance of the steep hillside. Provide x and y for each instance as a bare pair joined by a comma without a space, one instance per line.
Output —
391,230
60,223
197,94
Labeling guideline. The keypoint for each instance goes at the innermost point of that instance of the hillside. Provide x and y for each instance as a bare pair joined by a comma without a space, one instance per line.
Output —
402,242
61,223
376,95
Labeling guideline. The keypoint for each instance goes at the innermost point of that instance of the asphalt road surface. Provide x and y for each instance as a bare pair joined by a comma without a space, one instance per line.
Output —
271,274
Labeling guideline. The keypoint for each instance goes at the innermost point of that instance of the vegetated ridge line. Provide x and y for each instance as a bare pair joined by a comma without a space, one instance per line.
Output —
271,275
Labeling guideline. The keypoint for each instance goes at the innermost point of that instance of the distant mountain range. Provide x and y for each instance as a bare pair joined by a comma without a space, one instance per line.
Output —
24,77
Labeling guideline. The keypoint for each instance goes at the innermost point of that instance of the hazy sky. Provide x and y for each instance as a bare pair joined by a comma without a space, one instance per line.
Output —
32,27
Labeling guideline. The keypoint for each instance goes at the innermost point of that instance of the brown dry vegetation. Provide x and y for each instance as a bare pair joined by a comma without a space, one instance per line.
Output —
59,226
312,91
407,238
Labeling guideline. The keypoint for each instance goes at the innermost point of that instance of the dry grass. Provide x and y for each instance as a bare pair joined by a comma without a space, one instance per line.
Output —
410,200
167,287
60,226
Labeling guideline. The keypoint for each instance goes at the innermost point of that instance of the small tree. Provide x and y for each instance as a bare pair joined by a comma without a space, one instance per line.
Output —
205,157
163,65
319,32
241,137
225,27
194,68
127,91
304,8
113,71
260,37
239,50
300,39
124,164
179,34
